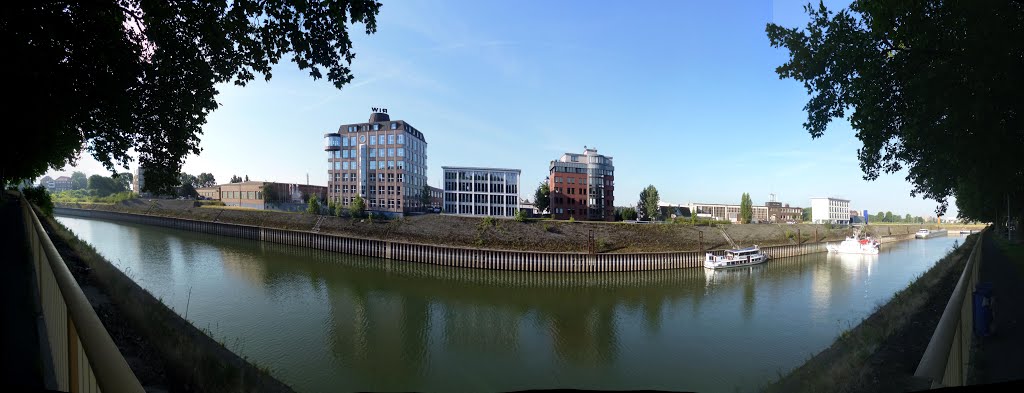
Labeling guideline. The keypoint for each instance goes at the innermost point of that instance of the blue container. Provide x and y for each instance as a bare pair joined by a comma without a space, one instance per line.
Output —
983,309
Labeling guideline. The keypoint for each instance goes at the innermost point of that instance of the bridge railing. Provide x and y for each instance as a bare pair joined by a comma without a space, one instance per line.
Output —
947,357
84,357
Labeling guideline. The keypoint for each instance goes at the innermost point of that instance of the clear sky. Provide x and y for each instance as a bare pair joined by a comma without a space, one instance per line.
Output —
683,95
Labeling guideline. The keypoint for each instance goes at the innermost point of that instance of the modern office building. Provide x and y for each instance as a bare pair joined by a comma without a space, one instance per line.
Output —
383,161
474,191
830,211
582,186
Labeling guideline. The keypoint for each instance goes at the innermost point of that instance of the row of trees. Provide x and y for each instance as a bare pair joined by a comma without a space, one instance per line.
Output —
187,184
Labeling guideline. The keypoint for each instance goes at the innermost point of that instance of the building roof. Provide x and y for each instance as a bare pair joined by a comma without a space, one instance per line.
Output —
63,178
478,168
832,198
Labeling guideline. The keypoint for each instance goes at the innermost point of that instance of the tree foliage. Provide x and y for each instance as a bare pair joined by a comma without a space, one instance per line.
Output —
129,75
103,186
627,213
425,196
79,181
205,180
746,209
806,215
358,207
542,197
929,86
313,205
235,179
647,206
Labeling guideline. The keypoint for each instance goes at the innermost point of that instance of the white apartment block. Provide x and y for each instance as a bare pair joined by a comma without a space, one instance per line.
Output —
475,191
830,210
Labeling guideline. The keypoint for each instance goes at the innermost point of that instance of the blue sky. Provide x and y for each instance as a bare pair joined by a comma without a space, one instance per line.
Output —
682,94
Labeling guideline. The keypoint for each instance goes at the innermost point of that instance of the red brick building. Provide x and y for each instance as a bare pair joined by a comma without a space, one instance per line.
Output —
582,187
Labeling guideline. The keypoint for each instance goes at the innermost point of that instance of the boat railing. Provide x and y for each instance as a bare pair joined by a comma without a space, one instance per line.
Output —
946,359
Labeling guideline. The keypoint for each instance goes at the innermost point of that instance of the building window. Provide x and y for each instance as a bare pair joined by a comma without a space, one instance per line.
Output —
401,152
401,139
391,164
394,126
376,127
381,152
373,164
391,152
337,165
391,139
373,152
344,165
344,153
373,140
401,165
362,139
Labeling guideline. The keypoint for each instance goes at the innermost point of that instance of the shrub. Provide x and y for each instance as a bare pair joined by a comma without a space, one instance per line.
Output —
489,221
521,216
358,207
39,197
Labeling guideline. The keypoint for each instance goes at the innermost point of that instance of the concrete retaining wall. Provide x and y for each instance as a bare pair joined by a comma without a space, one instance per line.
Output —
445,255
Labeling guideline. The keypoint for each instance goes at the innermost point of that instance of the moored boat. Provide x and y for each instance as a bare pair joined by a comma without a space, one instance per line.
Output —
929,233
853,245
735,258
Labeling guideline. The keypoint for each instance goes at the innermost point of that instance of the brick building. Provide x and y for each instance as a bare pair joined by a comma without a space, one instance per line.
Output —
582,186
264,195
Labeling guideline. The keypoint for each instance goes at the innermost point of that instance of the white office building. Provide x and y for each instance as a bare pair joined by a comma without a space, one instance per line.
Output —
474,191
830,210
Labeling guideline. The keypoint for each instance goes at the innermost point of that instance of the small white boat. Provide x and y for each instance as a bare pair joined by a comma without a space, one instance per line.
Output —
928,234
735,258
853,245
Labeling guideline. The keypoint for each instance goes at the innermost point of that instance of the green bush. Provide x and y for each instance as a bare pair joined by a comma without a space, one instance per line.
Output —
521,216
490,221
39,197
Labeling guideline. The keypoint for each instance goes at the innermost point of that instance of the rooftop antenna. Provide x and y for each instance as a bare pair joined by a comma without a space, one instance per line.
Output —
307,179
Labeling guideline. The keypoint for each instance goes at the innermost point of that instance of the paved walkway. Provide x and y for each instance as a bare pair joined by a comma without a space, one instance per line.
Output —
1000,357
19,340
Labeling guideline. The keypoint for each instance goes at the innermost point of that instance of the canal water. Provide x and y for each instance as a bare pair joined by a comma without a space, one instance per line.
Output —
323,321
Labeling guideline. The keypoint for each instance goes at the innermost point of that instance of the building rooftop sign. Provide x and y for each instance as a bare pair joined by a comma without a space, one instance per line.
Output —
379,110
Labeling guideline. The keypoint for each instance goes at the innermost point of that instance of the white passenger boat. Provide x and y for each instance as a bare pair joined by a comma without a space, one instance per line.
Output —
928,234
853,245
735,258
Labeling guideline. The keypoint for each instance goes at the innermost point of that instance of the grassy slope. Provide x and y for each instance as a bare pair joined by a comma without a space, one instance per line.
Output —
536,235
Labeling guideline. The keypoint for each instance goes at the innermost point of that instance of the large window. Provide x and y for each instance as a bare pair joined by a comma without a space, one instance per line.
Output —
376,127
391,152
373,140
401,152
401,139
391,139
373,152
344,153
394,126
352,141
373,164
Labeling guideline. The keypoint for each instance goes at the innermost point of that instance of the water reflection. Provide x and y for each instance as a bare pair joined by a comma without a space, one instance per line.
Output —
327,322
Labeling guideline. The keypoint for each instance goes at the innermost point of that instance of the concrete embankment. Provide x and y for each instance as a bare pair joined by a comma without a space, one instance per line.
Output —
445,255
881,353
160,346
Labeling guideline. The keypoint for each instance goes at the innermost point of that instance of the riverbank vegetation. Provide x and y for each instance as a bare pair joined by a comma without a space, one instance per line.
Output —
883,350
161,346
510,234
